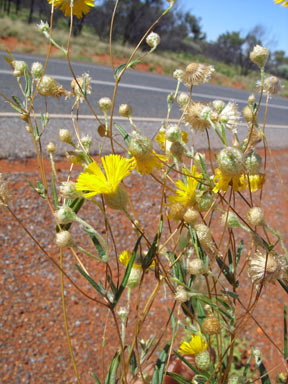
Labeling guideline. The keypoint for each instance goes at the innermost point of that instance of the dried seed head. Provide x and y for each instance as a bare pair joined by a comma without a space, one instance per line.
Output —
177,150
230,116
194,116
230,160
202,360
68,190
253,162
177,211
182,99
255,217
36,70
197,267
19,67
230,220
211,325
64,215
181,294
101,130
118,199
177,74
191,216
81,87
105,104
64,239
140,146
125,110
134,278
272,85
196,74
51,147
48,86
153,39
257,271
259,55
65,136
173,133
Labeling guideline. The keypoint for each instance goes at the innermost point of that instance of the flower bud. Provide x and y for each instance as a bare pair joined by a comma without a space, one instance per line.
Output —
48,86
134,278
259,55
81,87
197,267
123,313
253,163
177,211
230,161
118,199
36,70
30,130
125,110
153,39
64,239
211,325
249,115
86,142
140,146
218,105
65,136
181,294
105,104
182,99
203,200
191,216
68,190
173,133
255,217
272,85
251,99
230,220
202,360
19,67
51,147
177,74
64,215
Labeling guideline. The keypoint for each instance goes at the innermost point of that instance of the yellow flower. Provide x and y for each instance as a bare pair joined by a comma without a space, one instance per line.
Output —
238,183
125,257
284,2
195,346
93,181
146,164
80,7
185,193
161,140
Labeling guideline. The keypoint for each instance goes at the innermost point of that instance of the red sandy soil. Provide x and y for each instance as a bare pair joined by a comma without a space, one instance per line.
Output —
33,346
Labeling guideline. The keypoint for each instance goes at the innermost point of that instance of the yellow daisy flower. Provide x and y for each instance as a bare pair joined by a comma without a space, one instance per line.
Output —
222,182
93,181
146,164
80,7
161,139
185,193
256,182
284,2
195,346
125,257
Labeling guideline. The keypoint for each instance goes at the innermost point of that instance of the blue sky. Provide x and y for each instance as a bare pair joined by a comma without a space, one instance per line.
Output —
220,16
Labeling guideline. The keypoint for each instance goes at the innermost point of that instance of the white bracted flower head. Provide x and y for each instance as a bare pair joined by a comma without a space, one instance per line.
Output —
153,40
181,294
81,87
36,70
177,74
196,118
230,116
272,85
259,55
263,267
182,99
196,73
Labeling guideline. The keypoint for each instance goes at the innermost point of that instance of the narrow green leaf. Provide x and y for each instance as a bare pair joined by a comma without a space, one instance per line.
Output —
196,244
98,246
226,272
99,288
36,132
247,365
178,378
127,274
96,378
283,285
203,167
265,379
28,83
147,260
230,261
16,108
189,365
200,312
133,363
121,67
159,370
123,133
229,293
285,352
19,102
40,189
54,192
239,251
111,376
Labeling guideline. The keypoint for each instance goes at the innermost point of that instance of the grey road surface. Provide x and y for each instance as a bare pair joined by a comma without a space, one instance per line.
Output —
146,93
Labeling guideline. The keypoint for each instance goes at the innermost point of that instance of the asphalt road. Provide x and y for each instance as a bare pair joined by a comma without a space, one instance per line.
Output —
146,93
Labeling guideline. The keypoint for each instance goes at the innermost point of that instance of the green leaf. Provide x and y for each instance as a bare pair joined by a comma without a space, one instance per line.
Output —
285,352
229,293
148,259
283,285
96,378
196,244
54,192
99,288
127,274
98,246
189,365
19,102
75,204
28,83
226,272
133,363
200,312
178,378
36,132
123,133
40,189
121,67
44,120
111,376
159,370
265,379
230,261
239,251
177,268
